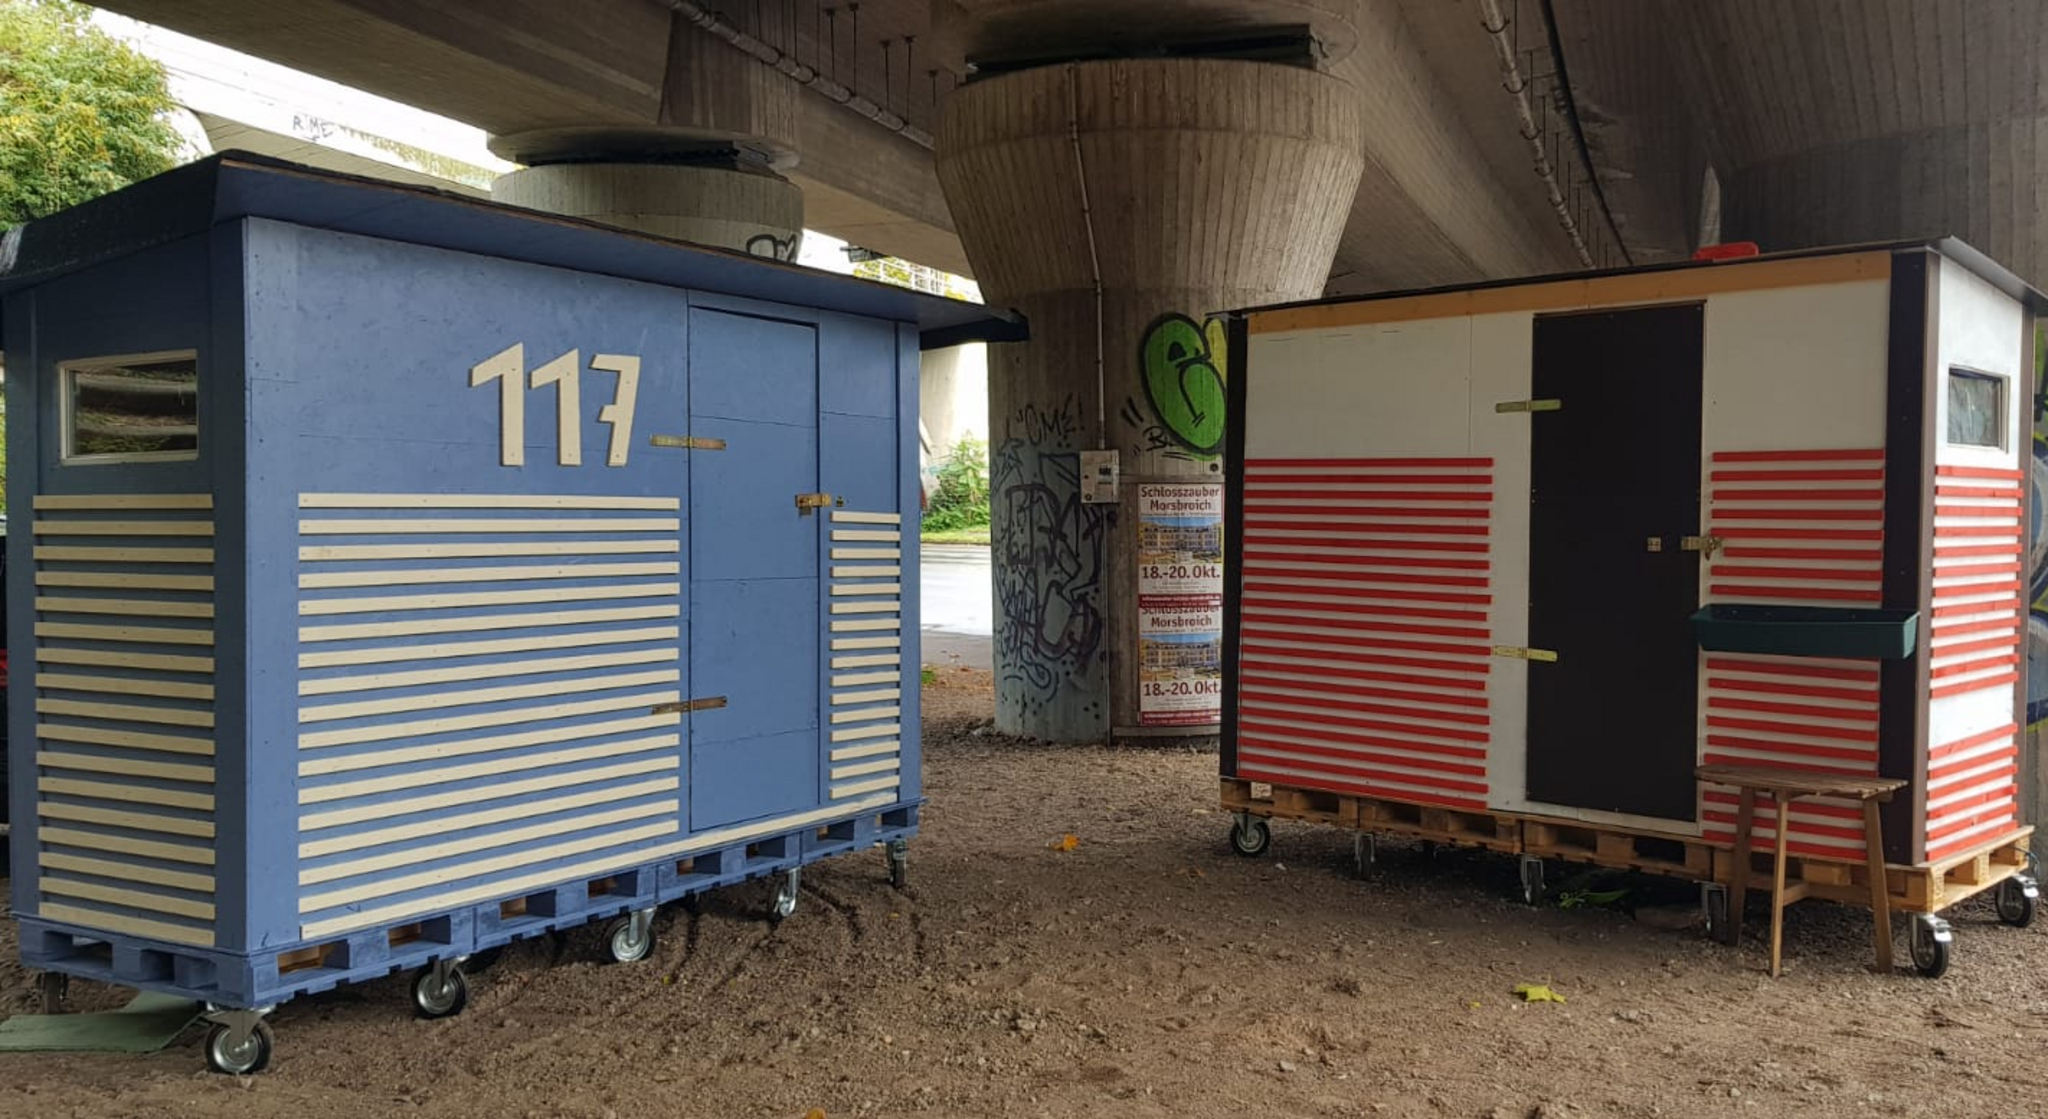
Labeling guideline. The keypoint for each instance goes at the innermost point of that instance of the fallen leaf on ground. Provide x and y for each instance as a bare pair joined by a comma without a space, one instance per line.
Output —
1066,843
1537,992
815,1113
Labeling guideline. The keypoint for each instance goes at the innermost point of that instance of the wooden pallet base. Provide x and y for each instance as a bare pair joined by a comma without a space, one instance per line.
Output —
1914,889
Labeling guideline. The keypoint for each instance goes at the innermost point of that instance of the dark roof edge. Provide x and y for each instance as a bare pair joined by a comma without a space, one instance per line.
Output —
1952,248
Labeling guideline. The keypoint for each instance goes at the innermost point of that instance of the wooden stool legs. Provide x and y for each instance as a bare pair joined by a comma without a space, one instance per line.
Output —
1880,888
1783,833
1738,887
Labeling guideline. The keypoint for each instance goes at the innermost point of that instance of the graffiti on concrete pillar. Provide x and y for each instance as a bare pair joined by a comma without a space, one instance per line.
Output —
1050,551
773,247
2037,543
1184,367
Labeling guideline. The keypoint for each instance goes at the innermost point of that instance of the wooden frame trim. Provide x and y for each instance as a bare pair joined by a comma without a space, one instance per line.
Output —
1238,349
1686,284
1903,698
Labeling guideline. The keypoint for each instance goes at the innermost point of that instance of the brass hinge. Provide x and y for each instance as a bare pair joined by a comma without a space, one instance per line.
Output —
805,502
687,442
708,703
1548,405
1517,652
1704,545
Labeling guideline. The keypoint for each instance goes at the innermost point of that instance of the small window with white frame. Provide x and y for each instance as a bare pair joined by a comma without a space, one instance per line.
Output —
1976,409
137,408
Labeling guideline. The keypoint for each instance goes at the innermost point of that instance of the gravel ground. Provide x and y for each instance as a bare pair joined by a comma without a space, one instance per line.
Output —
1144,972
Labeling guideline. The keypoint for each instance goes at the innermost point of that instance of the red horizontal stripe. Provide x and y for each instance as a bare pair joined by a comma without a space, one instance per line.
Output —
1965,569
1967,590
1978,472
1977,550
1935,854
1965,764
1851,555
1739,532
1798,475
1738,514
1474,666
1260,711
1358,788
1858,455
1765,726
1263,601
1261,583
1258,491
1767,707
1968,686
1978,665
1368,542
1263,699
1729,683
1478,479
1941,491
1961,744
1996,802
1966,823
1818,574
1445,463
1800,805
1793,668
1292,563
1809,850
1337,737
1797,827
1803,766
1392,761
1866,755
1260,664
2005,511
1267,630
1371,625
1800,494
1968,608
1251,681
1448,784
1990,532
1845,594
1260,505
1344,531
1977,646
1952,629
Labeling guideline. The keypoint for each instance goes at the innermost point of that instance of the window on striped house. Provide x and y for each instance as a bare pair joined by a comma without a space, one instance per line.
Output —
1976,409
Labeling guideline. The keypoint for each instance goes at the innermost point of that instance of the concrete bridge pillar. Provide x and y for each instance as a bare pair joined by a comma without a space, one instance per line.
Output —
707,171
1117,202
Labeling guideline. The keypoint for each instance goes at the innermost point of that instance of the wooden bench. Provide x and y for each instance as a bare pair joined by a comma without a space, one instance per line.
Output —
1786,786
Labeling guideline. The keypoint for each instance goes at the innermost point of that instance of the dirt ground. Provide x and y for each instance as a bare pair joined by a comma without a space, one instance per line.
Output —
1145,972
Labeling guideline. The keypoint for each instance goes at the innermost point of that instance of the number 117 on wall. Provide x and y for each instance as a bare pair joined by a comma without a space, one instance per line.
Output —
565,373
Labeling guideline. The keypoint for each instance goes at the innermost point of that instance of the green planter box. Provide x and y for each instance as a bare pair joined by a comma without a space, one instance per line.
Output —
1807,631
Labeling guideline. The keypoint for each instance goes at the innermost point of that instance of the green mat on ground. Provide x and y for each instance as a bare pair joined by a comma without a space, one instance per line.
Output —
145,1025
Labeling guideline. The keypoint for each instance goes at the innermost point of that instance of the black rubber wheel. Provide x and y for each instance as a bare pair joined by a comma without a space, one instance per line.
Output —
1930,956
2015,908
785,900
623,946
1719,926
442,1000
248,1058
899,871
1250,837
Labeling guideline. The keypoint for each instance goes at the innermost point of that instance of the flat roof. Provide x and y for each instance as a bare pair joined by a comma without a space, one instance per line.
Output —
1644,283
234,185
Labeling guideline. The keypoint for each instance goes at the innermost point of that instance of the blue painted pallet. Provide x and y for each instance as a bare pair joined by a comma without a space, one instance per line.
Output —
233,980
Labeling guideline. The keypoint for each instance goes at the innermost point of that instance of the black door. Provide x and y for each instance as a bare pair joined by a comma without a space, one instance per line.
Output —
1612,722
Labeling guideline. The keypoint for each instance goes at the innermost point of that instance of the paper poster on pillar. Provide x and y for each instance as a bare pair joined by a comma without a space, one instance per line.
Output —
1180,604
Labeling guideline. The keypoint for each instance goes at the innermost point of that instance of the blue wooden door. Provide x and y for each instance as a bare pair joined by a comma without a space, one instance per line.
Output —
754,593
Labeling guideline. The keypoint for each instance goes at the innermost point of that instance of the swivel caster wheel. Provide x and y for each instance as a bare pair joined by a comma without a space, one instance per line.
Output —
899,863
55,987
630,938
1714,907
1931,940
2018,898
785,897
1532,880
243,1055
439,990
1250,835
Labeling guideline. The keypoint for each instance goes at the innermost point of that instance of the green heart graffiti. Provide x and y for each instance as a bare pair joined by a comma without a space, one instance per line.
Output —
1185,367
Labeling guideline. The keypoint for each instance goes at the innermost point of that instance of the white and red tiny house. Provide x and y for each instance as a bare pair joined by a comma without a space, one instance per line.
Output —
1470,529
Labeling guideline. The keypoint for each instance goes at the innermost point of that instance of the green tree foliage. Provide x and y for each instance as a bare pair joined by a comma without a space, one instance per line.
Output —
81,113
960,500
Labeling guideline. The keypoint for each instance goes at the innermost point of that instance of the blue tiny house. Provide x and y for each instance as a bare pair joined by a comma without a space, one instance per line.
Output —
394,576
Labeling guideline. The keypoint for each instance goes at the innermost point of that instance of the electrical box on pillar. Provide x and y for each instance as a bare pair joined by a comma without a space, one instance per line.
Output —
1652,569
410,575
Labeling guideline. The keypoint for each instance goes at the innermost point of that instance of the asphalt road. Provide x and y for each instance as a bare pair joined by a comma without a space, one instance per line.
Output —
957,612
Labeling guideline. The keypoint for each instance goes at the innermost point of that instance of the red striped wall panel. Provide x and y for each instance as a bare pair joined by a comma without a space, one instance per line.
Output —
1974,639
1801,528
1365,627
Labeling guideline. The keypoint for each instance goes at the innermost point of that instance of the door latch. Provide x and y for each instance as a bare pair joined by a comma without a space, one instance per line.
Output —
805,502
1704,545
